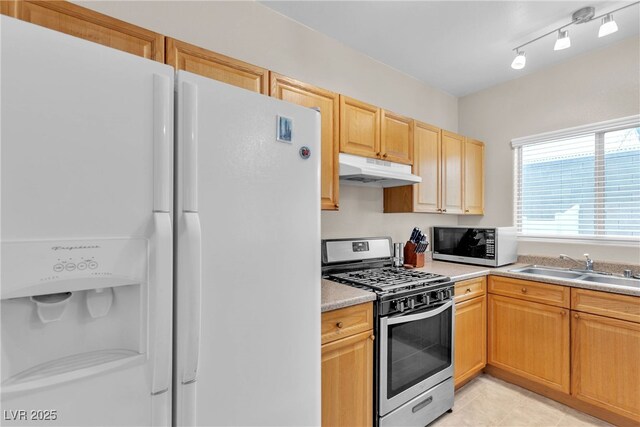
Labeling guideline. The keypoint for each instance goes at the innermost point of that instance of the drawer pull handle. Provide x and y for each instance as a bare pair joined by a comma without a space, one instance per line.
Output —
422,404
524,290
467,291
339,324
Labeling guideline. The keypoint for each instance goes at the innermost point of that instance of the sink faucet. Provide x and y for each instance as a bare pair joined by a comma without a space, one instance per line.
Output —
588,264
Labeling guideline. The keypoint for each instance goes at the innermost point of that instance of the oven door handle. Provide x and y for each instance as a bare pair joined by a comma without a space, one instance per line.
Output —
419,316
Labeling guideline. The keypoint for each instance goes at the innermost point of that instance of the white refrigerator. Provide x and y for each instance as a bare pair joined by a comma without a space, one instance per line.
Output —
247,244
122,304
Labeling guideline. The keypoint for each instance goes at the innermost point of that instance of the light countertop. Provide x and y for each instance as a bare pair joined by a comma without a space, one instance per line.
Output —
335,295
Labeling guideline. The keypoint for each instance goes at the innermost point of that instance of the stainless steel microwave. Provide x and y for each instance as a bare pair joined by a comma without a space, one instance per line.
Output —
493,247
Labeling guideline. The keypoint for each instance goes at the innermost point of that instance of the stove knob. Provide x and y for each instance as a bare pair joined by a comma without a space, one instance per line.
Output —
412,303
435,295
400,306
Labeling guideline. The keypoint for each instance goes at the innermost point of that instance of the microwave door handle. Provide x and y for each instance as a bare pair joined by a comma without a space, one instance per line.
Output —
419,316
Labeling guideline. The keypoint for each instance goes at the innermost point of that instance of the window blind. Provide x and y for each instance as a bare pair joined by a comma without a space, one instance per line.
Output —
581,185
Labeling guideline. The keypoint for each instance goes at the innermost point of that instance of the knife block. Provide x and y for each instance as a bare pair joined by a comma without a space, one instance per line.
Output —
411,257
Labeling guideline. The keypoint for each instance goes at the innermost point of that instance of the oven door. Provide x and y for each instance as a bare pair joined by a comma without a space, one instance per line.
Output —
416,353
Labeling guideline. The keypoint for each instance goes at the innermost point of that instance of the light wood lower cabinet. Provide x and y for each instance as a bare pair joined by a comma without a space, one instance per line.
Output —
529,339
470,338
605,364
87,24
347,367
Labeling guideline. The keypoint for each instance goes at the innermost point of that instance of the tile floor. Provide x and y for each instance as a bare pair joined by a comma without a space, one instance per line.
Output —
488,401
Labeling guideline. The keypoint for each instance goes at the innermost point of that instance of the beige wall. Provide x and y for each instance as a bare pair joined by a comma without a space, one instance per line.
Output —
593,87
256,34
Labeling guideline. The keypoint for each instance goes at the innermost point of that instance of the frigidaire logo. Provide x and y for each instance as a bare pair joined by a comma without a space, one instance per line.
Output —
71,248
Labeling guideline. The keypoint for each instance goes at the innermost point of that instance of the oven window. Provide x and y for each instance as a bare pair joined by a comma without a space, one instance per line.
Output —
417,350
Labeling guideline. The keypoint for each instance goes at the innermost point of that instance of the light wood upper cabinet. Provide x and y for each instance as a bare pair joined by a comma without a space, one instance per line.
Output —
89,25
425,196
605,364
452,172
396,144
359,128
184,56
470,338
530,340
307,95
473,177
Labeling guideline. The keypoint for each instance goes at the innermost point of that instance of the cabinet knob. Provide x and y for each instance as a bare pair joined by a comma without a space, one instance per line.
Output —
372,337
524,290
444,210
467,291
576,316
466,210
378,154
562,313
439,210
339,324
384,156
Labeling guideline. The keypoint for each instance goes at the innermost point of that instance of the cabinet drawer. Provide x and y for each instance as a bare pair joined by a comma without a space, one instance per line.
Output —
471,288
347,321
624,307
531,291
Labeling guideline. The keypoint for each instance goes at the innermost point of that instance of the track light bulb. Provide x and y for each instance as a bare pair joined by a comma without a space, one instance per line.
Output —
519,62
563,41
608,26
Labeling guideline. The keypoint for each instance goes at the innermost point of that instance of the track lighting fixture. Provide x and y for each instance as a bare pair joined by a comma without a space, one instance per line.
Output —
608,26
519,62
580,16
563,41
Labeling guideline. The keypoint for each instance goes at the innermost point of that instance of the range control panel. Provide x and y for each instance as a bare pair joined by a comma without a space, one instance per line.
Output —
33,264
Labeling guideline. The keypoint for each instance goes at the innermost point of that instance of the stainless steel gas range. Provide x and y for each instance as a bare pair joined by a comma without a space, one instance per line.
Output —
414,315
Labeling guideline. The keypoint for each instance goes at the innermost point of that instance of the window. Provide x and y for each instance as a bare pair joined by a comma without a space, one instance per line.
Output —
580,183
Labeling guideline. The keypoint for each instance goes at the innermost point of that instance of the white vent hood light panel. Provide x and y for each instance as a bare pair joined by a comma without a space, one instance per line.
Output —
363,171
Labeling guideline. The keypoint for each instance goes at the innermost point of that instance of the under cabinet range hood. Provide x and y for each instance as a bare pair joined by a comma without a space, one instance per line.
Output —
363,171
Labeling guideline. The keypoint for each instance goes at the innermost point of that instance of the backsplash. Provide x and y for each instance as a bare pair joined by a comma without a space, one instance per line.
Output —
361,215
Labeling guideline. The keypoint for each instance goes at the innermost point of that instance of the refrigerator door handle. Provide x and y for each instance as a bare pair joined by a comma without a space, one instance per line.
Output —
190,148
192,263
162,142
160,288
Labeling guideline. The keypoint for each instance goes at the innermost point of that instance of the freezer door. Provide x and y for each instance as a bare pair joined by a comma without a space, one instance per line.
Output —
248,258
87,239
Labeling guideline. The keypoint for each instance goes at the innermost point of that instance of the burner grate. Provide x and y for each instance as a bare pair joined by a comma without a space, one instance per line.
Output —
385,279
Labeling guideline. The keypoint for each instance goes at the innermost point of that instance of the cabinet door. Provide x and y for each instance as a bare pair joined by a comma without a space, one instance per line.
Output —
310,96
359,128
396,144
473,177
184,56
530,340
471,338
426,164
605,364
89,25
452,170
347,381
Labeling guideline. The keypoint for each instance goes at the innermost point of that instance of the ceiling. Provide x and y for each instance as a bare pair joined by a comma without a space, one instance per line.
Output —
460,47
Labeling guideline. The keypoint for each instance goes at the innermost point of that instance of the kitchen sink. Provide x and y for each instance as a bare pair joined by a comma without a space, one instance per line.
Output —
611,280
586,276
545,271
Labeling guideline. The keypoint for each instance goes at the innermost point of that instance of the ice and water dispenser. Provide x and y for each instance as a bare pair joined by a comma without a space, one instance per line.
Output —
71,309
